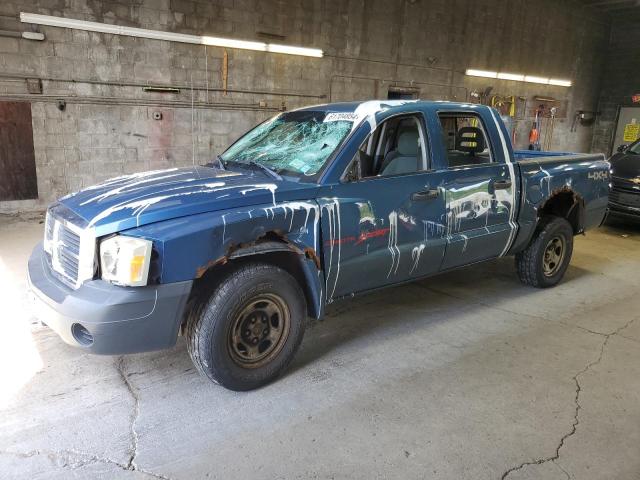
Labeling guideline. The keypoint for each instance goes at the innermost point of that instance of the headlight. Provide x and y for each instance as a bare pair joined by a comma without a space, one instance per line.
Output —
125,260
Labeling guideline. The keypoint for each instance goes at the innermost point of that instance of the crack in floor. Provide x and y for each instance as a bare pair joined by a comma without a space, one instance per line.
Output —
133,446
576,421
578,407
74,459
78,459
539,317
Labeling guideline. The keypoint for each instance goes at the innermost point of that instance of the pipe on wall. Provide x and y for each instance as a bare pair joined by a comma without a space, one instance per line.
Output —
180,87
133,102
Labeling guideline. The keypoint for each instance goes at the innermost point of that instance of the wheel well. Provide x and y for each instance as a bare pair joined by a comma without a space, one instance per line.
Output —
566,204
286,259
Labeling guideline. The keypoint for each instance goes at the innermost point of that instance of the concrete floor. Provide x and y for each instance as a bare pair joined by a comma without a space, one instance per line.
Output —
467,375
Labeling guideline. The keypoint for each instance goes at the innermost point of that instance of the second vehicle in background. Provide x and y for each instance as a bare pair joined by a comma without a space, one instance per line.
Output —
624,198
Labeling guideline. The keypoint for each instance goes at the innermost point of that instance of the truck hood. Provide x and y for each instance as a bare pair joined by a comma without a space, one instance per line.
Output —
625,165
142,198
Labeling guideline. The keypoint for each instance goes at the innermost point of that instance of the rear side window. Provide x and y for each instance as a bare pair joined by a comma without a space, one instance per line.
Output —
464,139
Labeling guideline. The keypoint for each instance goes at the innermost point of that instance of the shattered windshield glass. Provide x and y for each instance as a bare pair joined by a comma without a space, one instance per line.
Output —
295,143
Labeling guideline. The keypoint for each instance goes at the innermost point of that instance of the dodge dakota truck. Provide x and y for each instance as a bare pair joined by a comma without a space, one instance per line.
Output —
311,206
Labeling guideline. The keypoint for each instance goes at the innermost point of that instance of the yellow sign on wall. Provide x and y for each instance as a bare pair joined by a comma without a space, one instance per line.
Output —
631,132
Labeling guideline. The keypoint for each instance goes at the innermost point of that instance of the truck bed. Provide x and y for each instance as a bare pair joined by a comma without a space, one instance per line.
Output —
544,174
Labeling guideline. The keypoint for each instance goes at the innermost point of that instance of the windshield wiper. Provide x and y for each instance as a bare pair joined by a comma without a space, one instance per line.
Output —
218,163
265,169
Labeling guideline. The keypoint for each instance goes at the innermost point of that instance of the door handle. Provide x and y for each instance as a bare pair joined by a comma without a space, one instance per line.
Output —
425,195
502,184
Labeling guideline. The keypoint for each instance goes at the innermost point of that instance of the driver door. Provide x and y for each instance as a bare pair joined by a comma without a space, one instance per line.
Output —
384,223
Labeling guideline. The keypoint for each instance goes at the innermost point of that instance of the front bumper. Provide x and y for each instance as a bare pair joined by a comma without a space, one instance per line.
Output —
624,198
619,210
118,319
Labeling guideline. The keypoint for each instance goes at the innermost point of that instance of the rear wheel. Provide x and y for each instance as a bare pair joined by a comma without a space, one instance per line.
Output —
247,331
543,263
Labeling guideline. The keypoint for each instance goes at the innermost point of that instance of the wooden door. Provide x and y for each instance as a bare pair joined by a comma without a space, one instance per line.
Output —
17,158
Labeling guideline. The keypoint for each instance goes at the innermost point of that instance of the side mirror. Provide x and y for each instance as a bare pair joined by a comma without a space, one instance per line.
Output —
622,148
353,172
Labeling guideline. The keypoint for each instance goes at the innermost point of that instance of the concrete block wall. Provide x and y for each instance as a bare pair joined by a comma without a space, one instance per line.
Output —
107,126
620,82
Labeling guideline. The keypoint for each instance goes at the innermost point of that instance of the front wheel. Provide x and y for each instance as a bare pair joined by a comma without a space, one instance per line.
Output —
543,263
246,333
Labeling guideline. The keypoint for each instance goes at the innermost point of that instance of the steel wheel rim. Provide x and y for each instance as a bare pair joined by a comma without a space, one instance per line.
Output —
553,255
259,330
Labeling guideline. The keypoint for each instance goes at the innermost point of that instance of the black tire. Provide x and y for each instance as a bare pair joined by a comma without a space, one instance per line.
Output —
245,296
537,269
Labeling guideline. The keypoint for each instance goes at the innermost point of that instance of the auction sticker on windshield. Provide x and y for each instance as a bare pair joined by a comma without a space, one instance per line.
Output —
341,117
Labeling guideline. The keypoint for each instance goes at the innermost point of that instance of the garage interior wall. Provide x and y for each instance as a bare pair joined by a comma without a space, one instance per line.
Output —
93,120
620,82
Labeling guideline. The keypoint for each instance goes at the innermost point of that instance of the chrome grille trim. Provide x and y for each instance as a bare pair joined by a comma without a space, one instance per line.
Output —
70,249
625,195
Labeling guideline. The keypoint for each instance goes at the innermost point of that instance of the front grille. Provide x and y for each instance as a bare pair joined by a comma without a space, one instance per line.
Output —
62,246
625,195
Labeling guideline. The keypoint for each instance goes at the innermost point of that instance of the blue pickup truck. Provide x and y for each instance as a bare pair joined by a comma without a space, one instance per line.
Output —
311,206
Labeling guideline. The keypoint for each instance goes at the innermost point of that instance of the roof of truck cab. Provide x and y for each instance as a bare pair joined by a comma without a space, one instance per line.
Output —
379,105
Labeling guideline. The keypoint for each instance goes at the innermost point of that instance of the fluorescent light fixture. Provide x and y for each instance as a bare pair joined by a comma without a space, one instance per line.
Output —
153,89
309,52
532,79
26,35
33,36
517,77
62,22
481,73
231,43
510,76
560,83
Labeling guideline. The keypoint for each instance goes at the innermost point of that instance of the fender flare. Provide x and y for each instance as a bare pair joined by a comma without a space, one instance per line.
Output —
309,273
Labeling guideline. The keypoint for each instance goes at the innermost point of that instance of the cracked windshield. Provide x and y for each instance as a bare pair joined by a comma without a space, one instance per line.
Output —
295,143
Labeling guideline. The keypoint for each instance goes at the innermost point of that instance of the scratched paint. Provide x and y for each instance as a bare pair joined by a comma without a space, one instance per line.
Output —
332,210
131,185
415,255
473,202
512,190
138,206
393,243
119,179
244,189
289,210
366,111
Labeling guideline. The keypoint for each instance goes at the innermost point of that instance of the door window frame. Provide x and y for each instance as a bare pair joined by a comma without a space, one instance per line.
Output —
427,152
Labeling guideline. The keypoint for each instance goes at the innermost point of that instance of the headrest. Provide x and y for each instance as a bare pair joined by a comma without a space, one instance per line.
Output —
408,143
470,139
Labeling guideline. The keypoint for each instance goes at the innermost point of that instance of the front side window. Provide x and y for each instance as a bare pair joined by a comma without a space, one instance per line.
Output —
397,147
293,143
464,139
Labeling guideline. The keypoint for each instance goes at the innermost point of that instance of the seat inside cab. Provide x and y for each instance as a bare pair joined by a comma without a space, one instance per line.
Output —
395,148
464,140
